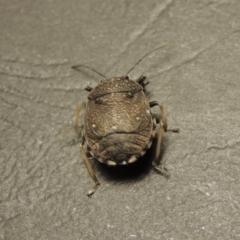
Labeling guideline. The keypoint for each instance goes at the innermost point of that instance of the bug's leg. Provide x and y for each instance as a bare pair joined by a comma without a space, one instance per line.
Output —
77,116
89,89
90,170
162,128
142,80
86,160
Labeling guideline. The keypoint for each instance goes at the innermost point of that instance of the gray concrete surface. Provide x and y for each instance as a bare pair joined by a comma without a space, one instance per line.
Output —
43,180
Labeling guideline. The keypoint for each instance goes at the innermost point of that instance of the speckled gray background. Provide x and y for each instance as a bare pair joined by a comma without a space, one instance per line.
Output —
43,180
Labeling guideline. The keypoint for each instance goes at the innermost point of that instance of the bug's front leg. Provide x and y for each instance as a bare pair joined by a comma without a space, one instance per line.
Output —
162,128
142,80
90,170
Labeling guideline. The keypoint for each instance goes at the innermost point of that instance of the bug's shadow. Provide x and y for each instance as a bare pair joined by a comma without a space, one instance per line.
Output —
132,172
148,93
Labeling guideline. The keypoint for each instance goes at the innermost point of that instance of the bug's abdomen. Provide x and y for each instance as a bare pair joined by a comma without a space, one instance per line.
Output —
119,147
118,126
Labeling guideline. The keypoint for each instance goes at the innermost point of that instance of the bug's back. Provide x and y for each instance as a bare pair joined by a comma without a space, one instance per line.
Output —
118,121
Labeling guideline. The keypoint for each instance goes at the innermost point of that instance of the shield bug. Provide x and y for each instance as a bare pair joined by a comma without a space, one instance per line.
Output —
119,126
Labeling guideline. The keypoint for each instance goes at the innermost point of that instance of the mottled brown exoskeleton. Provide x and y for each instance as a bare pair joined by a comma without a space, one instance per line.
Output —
119,126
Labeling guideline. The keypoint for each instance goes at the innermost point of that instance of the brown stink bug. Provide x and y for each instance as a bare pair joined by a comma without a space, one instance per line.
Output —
119,126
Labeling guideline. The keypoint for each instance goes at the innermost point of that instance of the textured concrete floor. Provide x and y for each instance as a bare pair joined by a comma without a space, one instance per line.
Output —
43,180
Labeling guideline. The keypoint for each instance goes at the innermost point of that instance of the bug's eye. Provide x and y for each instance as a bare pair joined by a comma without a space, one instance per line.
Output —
126,77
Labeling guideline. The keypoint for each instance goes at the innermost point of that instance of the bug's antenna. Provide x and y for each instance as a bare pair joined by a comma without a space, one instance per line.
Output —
83,66
164,45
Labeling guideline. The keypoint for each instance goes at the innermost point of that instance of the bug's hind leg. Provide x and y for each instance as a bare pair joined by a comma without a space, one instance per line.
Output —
90,170
78,129
163,128
142,80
